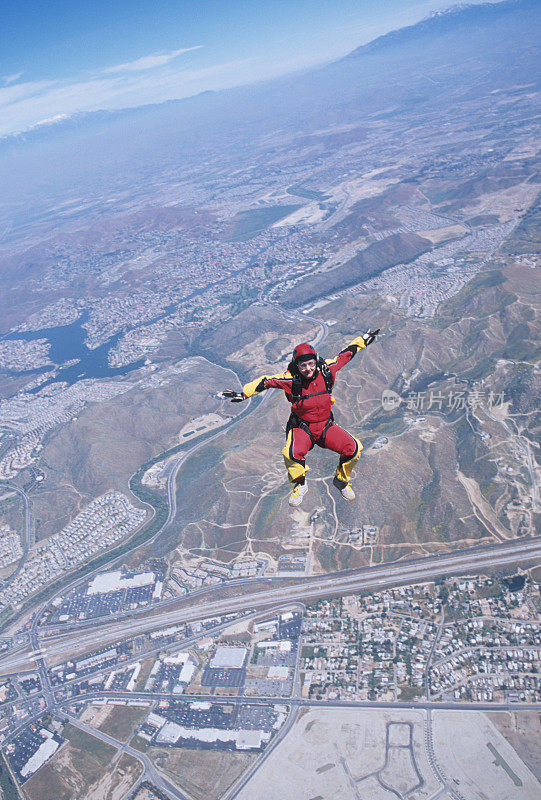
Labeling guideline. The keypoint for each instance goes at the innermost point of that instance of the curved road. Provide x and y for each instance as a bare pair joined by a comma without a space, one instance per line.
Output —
253,405
26,541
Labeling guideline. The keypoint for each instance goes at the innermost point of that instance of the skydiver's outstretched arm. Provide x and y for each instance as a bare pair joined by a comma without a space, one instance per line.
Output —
283,381
345,355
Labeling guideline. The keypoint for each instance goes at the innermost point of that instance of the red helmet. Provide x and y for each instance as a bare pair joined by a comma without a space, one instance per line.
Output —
304,352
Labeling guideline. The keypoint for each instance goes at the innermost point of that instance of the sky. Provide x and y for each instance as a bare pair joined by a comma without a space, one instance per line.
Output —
62,57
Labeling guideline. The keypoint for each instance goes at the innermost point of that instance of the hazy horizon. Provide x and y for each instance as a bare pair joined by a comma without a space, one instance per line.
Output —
56,64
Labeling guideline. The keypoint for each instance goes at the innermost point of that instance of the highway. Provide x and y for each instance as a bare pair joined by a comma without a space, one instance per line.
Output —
293,702
365,579
302,702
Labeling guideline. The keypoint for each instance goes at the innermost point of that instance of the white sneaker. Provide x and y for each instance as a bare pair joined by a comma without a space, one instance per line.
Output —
347,492
295,498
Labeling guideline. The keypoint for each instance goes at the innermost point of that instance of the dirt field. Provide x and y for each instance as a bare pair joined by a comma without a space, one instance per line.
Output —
73,769
83,769
336,755
204,774
438,235
114,785
122,721
200,425
523,732
480,760
380,754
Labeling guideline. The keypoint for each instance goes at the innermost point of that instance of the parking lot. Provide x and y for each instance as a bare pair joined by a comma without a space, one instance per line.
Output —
79,604
25,745
185,714
223,677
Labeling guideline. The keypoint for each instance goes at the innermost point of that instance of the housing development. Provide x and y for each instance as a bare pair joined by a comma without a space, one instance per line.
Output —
103,522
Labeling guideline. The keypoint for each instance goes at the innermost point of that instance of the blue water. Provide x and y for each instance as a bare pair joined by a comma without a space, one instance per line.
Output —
67,342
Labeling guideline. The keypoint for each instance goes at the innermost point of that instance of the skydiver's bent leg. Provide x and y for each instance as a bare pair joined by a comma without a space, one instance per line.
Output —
298,443
349,449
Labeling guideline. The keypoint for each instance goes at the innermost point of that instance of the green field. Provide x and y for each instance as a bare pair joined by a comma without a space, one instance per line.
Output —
7,785
88,744
250,223
122,721
309,194
410,692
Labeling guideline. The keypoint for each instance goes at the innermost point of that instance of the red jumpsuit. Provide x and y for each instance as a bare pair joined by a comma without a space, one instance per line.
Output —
311,420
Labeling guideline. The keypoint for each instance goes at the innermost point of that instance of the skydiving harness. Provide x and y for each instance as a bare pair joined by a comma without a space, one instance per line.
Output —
296,389
297,397
296,422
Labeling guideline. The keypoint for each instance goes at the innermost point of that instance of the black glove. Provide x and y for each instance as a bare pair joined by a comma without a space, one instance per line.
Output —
369,336
235,397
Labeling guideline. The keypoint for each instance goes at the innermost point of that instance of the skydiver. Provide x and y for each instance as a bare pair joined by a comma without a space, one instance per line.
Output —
308,385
